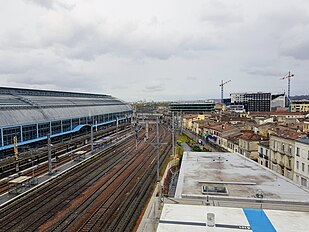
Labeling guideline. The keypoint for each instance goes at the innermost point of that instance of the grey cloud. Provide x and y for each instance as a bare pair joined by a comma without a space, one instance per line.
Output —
86,41
226,15
154,88
119,87
192,78
263,72
296,43
53,4
61,81
93,47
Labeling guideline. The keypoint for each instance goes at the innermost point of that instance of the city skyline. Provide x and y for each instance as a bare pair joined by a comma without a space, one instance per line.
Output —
155,51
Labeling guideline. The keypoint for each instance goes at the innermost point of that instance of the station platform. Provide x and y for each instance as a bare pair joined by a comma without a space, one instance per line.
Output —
13,193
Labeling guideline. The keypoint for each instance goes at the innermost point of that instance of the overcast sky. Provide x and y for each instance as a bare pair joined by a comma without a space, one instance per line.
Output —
155,50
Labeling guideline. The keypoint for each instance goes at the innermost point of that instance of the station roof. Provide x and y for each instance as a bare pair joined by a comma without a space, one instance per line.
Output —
242,177
24,106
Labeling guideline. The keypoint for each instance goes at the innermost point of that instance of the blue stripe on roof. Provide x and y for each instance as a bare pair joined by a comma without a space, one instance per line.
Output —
76,129
258,220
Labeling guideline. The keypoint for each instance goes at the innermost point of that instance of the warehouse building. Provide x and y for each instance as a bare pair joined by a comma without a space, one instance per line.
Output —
32,115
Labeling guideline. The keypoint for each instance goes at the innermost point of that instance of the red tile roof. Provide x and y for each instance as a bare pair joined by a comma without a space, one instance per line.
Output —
250,136
289,134
222,127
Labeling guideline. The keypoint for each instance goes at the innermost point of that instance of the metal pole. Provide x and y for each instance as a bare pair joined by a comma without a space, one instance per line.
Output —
147,129
158,165
173,135
49,155
117,127
289,85
32,160
180,122
32,169
136,136
158,152
222,91
91,138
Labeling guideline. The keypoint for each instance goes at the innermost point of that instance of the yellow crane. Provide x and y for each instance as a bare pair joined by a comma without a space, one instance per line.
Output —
15,149
16,154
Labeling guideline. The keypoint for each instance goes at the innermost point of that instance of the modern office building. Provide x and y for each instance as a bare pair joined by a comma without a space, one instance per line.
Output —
32,115
278,101
194,107
255,102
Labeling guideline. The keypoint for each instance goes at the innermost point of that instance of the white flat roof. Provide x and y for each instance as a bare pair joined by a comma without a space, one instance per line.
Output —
198,168
188,218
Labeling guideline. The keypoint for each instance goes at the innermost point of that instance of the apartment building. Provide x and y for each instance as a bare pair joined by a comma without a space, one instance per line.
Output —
301,170
248,145
282,149
264,153
306,126
187,120
221,131
232,142
300,106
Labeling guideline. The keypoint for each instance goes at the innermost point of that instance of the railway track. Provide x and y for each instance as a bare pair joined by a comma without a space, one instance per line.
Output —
41,202
7,166
93,197
43,168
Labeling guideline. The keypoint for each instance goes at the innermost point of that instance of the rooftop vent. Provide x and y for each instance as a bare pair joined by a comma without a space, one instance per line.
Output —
214,189
211,219
259,193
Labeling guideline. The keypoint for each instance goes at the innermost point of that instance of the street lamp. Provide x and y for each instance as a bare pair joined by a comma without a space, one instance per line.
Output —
49,146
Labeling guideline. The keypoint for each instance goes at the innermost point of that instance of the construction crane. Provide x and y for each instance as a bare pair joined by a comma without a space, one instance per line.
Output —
288,76
221,85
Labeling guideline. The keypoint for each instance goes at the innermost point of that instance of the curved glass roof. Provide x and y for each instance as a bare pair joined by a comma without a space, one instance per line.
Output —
24,106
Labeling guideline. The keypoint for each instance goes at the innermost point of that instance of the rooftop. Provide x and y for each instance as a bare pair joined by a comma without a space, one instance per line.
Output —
26,106
250,136
242,177
190,116
193,103
264,144
279,113
223,127
175,217
288,134
39,92
305,141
